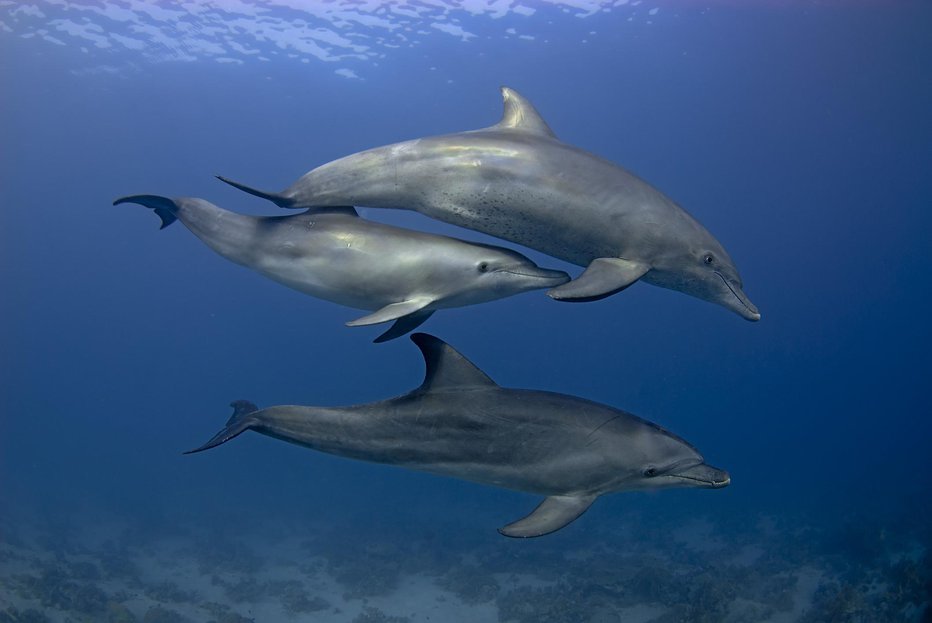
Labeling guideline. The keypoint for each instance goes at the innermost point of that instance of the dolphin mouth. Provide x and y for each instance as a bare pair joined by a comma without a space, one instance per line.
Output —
702,475
747,309
547,276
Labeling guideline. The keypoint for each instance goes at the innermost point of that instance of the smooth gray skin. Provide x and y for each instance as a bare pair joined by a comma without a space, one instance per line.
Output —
517,181
460,423
339,257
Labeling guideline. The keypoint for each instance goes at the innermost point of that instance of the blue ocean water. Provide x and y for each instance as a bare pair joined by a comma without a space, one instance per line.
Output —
798,133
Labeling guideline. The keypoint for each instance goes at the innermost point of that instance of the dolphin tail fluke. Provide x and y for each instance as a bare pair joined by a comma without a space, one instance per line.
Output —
165,208
239,422
279,199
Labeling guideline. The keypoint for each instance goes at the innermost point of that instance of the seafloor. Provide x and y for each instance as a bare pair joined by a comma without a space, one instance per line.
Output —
641,570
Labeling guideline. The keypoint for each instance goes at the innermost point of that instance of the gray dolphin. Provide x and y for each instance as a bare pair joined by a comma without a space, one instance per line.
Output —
517,181
334,255
460,423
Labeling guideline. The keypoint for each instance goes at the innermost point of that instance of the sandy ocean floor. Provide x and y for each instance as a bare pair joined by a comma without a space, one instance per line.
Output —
116,572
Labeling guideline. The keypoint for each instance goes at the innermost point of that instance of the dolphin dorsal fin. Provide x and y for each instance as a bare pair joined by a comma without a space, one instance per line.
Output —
446,368
521,115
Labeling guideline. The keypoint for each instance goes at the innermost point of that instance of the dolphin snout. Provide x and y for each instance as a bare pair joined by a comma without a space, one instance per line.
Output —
748,310
704,475
741,304
724,481
547,277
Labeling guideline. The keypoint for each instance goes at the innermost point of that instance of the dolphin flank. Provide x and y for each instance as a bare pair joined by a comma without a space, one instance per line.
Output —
515,180
462,424
334,255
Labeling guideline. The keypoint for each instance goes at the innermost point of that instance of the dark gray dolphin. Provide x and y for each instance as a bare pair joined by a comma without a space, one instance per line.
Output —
517,181
460,423
334,255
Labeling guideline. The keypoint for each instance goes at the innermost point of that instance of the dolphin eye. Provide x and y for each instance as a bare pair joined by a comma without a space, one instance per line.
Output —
708,259
483,267
650,472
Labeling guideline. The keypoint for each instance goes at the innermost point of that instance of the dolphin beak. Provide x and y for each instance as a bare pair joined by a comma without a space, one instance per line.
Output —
741,304
748,310
702,475
548,278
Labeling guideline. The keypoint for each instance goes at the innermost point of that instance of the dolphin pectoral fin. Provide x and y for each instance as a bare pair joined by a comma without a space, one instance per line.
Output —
393,311
603,277
550,515
404,325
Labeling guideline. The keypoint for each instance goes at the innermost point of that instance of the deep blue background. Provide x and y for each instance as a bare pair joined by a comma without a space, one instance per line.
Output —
800,136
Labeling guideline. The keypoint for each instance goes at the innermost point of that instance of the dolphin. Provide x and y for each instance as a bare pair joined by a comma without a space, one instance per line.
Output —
337,256
515,180
462,424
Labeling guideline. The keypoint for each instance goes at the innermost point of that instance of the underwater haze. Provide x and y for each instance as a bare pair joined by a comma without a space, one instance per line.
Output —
797,132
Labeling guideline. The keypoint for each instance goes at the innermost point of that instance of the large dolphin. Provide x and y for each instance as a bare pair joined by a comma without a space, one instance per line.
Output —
517,181
334,255
460,423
